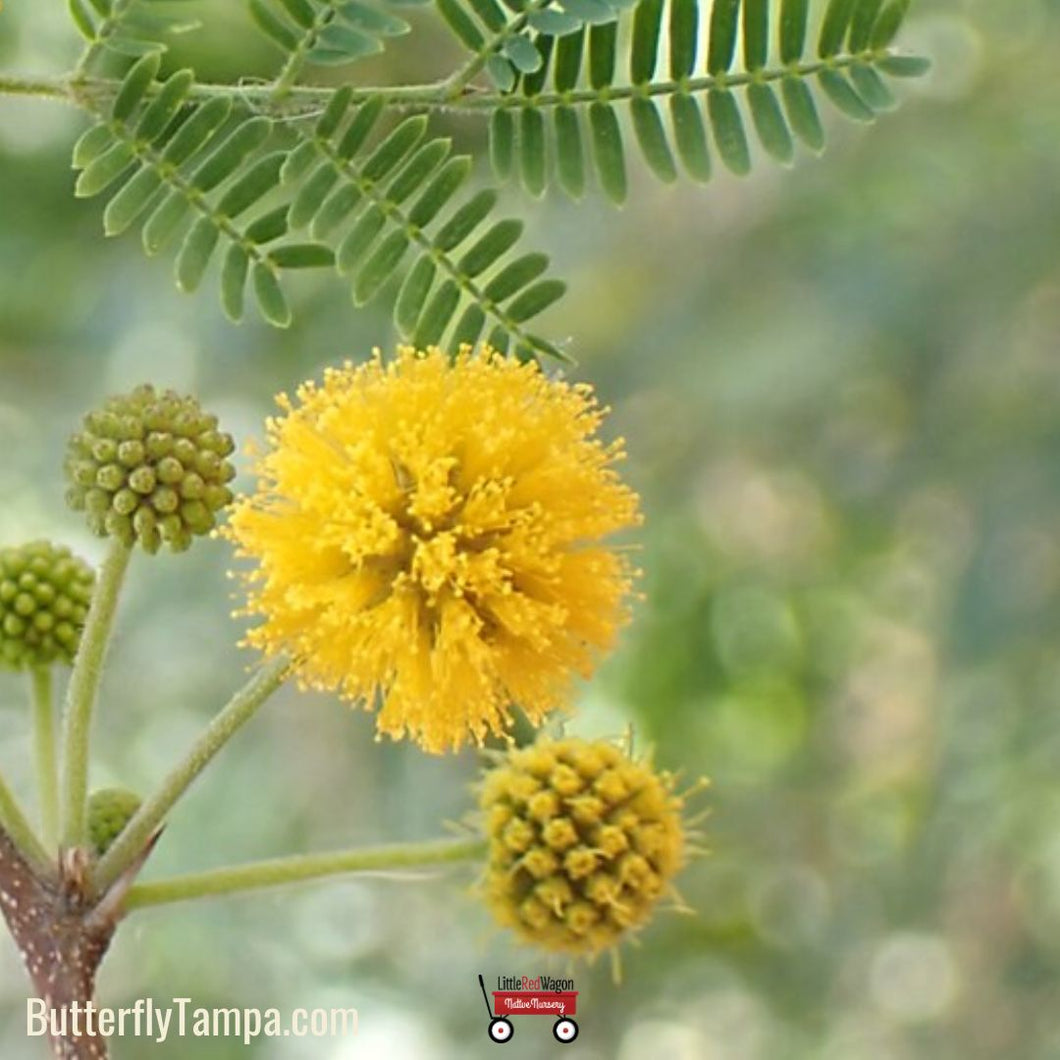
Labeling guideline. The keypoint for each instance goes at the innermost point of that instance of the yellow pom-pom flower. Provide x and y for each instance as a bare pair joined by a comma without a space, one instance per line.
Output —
583,842
429,536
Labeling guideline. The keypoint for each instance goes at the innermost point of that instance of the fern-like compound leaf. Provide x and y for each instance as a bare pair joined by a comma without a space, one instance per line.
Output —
384,200
193,171
753,85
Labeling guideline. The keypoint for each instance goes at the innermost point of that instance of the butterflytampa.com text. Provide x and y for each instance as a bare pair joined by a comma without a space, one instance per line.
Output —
181,1019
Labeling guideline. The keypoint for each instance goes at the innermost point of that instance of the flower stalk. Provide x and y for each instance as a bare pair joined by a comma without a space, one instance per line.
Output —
279,871
44,752
232,717
83,689
21,832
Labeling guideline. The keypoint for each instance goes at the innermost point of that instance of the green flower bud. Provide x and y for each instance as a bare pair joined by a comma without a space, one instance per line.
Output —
109,811
583,842
44,596
135,462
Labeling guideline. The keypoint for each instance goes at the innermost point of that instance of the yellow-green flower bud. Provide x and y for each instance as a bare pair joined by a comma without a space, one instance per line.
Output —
150,467
44,596
583,843
109,811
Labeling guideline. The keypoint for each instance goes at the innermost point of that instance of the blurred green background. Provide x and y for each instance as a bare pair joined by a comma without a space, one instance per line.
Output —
840,388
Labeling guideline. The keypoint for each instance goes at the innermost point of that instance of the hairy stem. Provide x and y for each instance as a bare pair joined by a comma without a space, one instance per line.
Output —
278,871
296,60
83,688
40,87
21,832
44,752
233,716
302,100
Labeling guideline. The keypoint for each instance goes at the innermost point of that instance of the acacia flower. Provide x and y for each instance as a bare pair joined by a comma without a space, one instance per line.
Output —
583,842
428,539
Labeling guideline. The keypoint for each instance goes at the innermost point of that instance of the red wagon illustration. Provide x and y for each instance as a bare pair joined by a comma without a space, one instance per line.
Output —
559,1003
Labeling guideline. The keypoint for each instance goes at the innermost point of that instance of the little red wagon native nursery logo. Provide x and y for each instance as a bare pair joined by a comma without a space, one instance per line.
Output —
524,995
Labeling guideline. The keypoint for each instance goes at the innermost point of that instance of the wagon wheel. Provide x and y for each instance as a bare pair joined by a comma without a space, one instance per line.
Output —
565,1030
501,1030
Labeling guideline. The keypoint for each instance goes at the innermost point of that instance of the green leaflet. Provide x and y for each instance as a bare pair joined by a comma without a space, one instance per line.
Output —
253,185
723,26
380,266
423,163
684,37
834,27
755,33
336,208
90,145
888,23
570,154
270,296
195,254
497,241
532,150
466,220
358,240
234,281
516,276
536,299
131,201
652,139
134,86
647,25
302,256
729,135
793,25
104,170
436,316
502,143
602,44
839,90
607,151
440,190
802,113
413,295
871,87
861,23
309,197
691,136
469,327
769,123
227,157
164,107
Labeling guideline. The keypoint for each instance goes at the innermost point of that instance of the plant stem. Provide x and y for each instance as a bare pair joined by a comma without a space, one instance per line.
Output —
40,87
83,688
301,867
236,713
44,752
296,60
280,100
22,833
